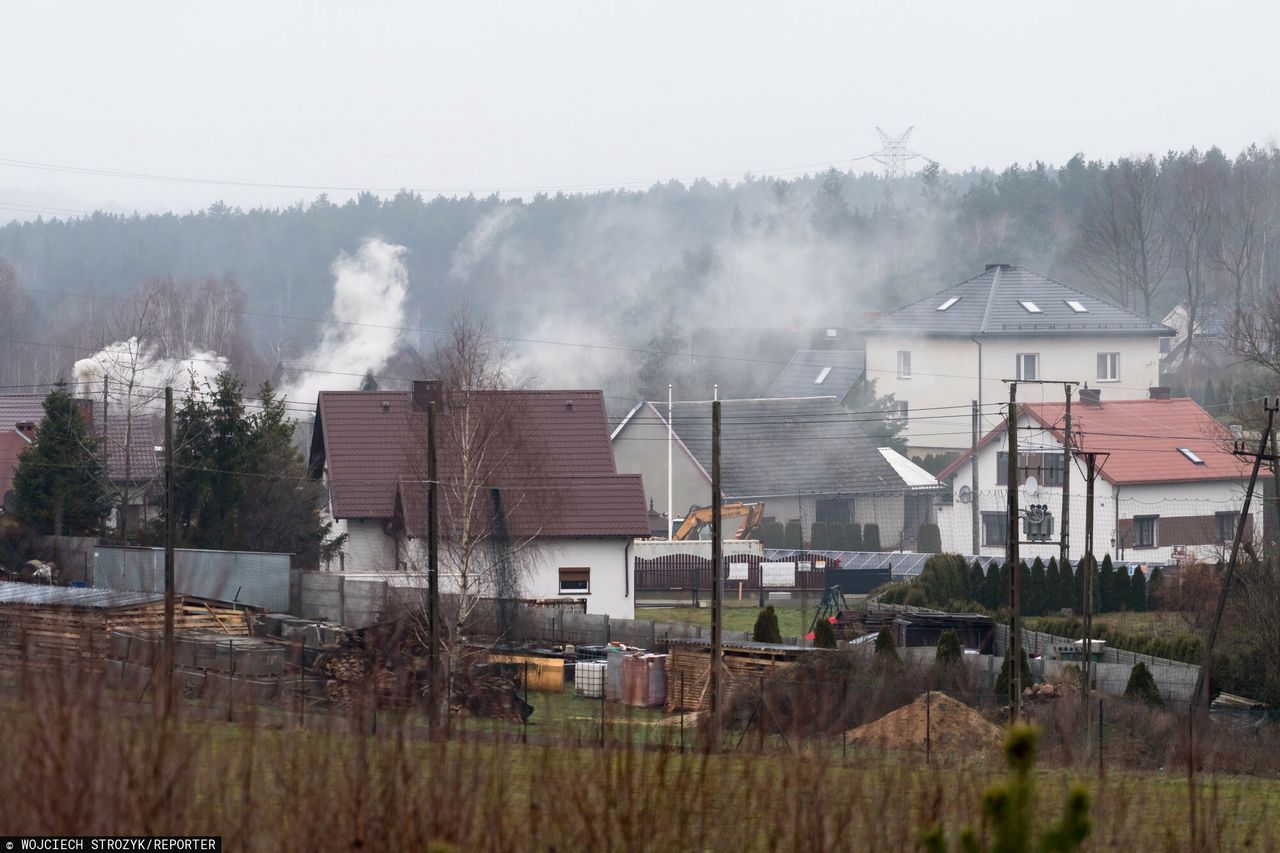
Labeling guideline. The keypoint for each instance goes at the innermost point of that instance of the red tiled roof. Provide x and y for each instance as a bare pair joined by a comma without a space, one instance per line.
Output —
1143,438
370,442
142,443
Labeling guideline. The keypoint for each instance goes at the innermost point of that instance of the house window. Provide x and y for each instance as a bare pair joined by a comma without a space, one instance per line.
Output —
833,510
1227,523
1028,364
904,364
575,581
1002,468
902,410
1045,467
1108,366
995,528
1144,531
1050,470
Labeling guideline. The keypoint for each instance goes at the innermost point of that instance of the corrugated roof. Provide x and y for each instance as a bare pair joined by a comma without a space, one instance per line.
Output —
774,447
1144,438
991,303
800,377
61,596
551,443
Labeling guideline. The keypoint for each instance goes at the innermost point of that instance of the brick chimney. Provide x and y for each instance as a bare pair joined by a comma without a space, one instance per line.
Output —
1158,392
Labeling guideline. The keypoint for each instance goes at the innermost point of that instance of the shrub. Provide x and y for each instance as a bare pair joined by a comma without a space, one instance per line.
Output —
929,539
886,648
1142,686
824,636
1002,681
949,649
793,536
819,536
766,628
855,537
771,534
871,537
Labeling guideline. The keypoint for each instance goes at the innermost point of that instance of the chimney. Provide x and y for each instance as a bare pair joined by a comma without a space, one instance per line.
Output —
427,391
1091,396
1158,392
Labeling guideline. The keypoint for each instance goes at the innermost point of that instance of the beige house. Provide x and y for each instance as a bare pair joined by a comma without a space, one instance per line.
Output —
939,354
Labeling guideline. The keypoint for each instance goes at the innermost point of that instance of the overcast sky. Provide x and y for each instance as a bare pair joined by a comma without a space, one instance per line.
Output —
513,96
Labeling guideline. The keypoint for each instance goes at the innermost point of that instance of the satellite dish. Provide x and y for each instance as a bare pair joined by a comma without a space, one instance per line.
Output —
1031,486
965,494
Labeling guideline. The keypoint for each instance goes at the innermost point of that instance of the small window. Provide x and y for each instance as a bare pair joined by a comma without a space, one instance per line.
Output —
822,377
1227,523
1191,455
951,301
902,410
1108,366
1031,307
1144,531
904,364
1028,364
995,528
1075,306
575,581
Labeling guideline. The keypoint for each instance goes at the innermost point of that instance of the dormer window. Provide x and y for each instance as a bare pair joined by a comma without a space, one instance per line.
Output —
1031,307
951,301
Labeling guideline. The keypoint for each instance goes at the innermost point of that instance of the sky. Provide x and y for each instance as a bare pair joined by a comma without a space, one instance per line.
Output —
517,97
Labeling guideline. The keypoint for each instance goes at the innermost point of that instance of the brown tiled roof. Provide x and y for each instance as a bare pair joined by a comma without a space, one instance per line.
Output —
553,442
19,408
1143,438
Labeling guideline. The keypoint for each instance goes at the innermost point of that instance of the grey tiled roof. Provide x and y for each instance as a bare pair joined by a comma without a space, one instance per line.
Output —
775,447
798,377
990,304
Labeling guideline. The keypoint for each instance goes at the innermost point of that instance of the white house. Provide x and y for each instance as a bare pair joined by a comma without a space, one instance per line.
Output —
539,493
1167,489
939,354
806,458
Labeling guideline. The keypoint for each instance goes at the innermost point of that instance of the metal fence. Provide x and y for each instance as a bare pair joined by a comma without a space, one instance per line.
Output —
256,579
691,573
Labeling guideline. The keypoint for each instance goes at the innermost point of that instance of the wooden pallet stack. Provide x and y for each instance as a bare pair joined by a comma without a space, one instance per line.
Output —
689,669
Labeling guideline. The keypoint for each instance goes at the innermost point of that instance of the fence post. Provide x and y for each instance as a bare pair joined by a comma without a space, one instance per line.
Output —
524,729
928,727
231,681
760,719
1102,768
604,679
681,711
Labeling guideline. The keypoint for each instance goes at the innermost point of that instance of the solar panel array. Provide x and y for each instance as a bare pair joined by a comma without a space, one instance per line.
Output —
901,564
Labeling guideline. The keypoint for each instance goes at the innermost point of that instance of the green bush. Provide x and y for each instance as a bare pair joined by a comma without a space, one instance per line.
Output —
855,537
766,628
793,536
1002,681
929,539
771,534
886,648
824,636
819,538
1142,686
949,648
871,537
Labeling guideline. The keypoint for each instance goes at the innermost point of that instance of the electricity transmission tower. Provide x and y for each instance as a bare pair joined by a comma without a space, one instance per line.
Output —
894,153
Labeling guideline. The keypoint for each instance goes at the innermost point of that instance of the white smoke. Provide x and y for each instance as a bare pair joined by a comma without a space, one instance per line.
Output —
362,331
137,374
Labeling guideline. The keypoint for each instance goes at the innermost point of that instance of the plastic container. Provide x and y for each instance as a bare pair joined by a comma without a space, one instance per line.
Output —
589,679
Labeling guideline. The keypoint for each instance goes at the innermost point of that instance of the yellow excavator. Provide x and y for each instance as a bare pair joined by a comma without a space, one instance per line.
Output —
699,517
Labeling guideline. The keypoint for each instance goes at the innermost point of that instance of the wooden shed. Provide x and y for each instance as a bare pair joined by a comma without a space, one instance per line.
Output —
42,624
689,669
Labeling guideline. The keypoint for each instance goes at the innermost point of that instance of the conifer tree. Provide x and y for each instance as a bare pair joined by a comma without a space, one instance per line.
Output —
58,484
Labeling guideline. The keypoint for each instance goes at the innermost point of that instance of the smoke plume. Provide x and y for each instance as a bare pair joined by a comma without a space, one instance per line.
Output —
136,373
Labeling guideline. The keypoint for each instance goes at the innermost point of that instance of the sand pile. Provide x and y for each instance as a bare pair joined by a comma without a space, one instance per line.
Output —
953,727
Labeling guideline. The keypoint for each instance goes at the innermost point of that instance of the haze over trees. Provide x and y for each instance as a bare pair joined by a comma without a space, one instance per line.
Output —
631,272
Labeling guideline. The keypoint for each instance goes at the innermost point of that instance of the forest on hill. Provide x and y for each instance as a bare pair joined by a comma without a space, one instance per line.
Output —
649,280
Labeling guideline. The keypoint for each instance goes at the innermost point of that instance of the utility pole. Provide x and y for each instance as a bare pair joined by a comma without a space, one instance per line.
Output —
1064,550
170,533
975,511
717,545
1201,694
1015,598
671,509
1086,566
433,575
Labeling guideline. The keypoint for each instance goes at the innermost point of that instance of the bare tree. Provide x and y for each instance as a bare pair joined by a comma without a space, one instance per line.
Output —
1194,223
17,316
1248,208
1122,242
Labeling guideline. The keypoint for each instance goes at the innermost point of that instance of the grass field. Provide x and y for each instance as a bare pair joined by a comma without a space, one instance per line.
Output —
794,617
1157,623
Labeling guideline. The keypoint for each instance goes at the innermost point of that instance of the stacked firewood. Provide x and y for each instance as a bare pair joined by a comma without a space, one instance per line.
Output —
488,690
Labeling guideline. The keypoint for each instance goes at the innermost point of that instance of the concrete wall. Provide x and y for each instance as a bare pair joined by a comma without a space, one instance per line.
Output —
944,372
640,447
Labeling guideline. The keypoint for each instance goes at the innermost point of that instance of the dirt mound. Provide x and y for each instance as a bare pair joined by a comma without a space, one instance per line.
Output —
952,727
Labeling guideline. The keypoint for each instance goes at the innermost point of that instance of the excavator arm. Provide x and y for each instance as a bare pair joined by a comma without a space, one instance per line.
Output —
699,517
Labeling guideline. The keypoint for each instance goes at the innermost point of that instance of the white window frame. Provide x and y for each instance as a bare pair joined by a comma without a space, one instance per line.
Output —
904,363
1018,362
1112,360
903,410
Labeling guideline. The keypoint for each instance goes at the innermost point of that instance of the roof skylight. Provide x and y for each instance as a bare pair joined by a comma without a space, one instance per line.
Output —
951,301
1191,455
1031,307
822,377
1076,306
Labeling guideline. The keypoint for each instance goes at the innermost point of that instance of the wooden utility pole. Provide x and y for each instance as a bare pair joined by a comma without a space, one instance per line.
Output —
717,546
170,534
975,511
437,703
1015,597
1201,694
1086,566
1064,549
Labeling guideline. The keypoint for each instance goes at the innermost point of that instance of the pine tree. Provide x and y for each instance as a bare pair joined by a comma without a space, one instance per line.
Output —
871,537
58,485
1142,686
949,648
855,537
818,538
1154,589
766,629
1138,591
1038,589
1106,586
793,536
886,648
1002,680
929,539
824,636
1024,584
977,583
